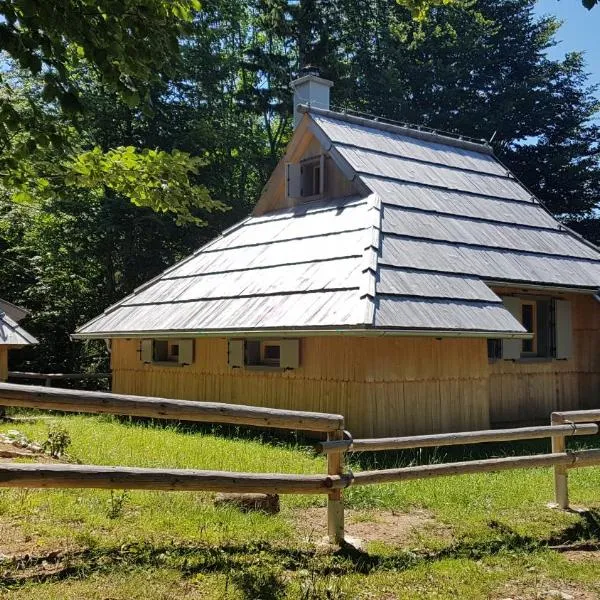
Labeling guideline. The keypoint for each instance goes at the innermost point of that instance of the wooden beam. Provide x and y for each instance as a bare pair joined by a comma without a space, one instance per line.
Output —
91,476
453,439
576,416
34,375
335,499
29,396
561,484
460,468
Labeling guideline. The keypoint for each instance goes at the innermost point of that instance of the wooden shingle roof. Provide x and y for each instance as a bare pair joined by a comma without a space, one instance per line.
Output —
441,219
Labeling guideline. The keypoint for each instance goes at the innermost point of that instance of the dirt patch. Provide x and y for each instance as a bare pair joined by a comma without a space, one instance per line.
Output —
544,590
16,544
582,556
391,527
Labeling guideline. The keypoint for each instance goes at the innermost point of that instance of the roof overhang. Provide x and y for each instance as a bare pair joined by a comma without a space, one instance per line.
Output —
287,333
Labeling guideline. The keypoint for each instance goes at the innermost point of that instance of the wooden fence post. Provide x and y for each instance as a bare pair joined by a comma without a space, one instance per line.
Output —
561,483
335,498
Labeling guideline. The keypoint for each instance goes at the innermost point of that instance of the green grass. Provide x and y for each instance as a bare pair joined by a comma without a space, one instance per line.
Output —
491,530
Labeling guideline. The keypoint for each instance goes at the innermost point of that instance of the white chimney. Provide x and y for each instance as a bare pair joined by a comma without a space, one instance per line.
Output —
310,89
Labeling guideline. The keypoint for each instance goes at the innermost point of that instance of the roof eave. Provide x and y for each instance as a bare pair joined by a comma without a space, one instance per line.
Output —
360,331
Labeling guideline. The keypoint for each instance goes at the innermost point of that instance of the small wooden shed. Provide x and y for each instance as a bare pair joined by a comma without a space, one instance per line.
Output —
401,277
12,335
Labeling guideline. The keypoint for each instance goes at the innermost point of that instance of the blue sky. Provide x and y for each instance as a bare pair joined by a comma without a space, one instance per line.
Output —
580,31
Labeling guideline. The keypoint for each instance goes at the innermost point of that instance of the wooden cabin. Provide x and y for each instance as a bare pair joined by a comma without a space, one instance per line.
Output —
401,277
12,335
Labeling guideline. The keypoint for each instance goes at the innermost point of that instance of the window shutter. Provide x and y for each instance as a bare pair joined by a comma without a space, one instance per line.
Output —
236,353
293,180
186,352
289,354
146,350
252,352
511,348
564,328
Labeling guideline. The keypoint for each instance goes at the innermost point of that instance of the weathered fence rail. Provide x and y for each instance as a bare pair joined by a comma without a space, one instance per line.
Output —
30,396
339,442
91,476
48,378
456,439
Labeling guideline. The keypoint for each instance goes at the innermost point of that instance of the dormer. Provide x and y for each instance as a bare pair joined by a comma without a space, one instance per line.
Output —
309,171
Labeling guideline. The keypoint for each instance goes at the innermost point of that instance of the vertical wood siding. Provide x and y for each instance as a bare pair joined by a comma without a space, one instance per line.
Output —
531,390
383,386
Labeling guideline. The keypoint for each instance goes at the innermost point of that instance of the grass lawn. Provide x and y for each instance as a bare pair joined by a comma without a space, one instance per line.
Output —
472,536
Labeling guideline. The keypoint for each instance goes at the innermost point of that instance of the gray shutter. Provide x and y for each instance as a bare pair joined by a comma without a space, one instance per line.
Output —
146,348
293,180
186,352
236,353
564,328
289,357
511,348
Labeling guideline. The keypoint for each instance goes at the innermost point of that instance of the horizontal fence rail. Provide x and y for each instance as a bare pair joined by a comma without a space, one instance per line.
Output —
91,476
35,375
489,465
24,396
48,378
455,439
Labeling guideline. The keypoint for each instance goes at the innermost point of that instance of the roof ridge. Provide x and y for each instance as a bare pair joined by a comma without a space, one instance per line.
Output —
368,289
430,136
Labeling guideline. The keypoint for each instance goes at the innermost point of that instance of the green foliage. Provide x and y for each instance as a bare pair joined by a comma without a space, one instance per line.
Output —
261,580
151,178
116,503
58,440
129,43
419,9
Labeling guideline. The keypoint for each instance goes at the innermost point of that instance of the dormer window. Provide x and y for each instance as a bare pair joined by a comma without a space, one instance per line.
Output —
306,179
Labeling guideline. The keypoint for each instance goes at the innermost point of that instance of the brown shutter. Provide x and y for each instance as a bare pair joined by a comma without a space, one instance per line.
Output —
186,352
289,357
236,353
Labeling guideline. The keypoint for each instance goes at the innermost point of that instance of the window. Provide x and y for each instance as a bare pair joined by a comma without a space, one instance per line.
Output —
494,349
176,352
311,178
549,320
277,354
307,178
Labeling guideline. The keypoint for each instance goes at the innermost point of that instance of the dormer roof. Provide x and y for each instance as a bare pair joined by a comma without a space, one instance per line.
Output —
438,220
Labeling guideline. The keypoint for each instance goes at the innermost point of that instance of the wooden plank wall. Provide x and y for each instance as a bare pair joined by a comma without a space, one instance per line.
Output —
3,363
529,390
383,386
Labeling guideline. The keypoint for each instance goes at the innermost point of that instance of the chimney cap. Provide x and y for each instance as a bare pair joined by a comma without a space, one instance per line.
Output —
310,73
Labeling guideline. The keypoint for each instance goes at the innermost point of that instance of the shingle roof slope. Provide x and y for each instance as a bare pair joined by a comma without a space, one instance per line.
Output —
12,334
443,218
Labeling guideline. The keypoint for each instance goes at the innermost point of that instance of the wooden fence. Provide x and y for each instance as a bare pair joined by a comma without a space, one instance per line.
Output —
49,378
339,442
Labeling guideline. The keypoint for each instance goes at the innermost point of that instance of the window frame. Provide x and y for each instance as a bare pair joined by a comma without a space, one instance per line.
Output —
534,352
